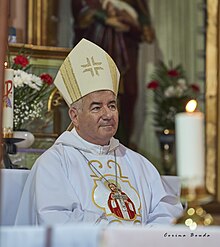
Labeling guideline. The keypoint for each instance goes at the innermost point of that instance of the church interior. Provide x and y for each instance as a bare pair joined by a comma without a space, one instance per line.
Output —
173,60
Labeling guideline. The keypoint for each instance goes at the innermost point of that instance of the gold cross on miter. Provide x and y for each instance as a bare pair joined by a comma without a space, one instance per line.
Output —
92,66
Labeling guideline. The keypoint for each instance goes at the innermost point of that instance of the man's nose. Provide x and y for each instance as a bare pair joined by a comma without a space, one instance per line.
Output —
107,113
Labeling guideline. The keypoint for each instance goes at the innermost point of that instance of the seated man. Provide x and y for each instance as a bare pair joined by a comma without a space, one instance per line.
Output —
87,175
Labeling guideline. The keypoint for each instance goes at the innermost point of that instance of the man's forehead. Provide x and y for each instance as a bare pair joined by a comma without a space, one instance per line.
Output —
99,96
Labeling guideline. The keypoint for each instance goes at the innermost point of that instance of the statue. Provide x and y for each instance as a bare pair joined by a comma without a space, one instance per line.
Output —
118,27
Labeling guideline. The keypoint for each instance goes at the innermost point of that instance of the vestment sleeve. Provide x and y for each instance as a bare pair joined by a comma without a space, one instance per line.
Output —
165,205
56,199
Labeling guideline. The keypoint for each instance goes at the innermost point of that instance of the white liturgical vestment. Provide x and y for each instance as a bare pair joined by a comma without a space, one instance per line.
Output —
76,181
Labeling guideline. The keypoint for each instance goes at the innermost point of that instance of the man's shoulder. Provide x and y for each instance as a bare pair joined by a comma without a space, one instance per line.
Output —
136,158
53,155
130,150
62,143
54,150
52,160
133,154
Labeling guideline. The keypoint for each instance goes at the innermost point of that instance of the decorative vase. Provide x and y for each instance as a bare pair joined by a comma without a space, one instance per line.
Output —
27,136
167,147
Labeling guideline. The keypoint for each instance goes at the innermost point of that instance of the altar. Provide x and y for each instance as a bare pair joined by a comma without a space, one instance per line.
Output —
81,235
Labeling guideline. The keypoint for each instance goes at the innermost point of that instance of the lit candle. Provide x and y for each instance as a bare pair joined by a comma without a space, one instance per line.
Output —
8,102
190,148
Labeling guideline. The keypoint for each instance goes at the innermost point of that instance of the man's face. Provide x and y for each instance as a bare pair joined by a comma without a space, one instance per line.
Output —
97,121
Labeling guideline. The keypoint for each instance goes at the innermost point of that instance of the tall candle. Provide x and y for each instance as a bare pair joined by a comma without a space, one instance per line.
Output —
8,101
190,148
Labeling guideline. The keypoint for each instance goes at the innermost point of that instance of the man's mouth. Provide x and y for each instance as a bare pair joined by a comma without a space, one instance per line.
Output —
106,125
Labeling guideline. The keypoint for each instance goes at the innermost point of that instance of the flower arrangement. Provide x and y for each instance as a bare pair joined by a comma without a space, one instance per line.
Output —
30,91
171,94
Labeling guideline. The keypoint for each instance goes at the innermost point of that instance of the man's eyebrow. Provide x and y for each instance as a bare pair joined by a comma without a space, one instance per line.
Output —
95,103
113,101
99,103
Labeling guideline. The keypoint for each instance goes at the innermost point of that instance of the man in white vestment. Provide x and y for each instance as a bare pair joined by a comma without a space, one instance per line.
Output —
87,175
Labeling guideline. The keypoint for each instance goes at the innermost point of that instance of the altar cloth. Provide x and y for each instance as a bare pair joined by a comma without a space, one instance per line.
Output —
84,235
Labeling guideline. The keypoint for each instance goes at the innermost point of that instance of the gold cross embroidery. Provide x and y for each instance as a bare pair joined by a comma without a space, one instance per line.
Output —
92,66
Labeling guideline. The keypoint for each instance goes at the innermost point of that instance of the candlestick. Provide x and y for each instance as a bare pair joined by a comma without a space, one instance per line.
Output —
190,148
8,103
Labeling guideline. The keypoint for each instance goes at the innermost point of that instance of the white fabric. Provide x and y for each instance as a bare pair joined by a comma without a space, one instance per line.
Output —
23,236
180,236
172,184
64,188
12,183
121,6
77,235
80,235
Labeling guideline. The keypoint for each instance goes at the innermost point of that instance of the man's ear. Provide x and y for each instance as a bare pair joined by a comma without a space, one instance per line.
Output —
73,113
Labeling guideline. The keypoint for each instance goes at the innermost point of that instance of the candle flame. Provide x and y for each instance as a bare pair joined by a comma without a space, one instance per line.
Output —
191,105
5,65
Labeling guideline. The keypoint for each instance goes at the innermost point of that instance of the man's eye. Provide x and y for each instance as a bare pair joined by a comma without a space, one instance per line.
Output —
97,108
113,107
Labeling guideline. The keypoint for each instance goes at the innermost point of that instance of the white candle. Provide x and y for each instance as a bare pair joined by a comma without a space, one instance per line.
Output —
190,148
8,100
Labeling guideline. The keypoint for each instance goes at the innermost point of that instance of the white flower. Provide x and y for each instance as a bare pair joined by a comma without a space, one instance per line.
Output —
181,87
179,91
169,92
30,92
37,80
182,83
21,78
24,113
18,82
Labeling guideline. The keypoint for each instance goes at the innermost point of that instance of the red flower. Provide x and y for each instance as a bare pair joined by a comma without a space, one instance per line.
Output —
46,78
195,88
173,73
21,60
153,85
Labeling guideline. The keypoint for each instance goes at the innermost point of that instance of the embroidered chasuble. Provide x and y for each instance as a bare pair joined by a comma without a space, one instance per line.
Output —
76,181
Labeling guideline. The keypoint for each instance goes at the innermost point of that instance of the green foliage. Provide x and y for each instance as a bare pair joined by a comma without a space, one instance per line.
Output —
171,94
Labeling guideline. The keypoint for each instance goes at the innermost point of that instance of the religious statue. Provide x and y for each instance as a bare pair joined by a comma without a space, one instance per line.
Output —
118,27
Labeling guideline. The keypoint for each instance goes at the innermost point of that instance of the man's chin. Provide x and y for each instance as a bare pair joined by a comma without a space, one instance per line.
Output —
108,128
108,132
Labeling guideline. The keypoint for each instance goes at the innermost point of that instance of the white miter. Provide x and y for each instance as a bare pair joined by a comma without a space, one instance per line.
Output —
121,6
86,69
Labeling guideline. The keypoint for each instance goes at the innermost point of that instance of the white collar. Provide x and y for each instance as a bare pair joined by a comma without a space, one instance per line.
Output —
94,148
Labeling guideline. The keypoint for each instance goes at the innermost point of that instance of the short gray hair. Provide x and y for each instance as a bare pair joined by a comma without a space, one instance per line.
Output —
78,105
